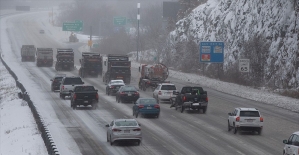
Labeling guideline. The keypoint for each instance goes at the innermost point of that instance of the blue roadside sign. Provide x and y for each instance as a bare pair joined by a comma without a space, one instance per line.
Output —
211,52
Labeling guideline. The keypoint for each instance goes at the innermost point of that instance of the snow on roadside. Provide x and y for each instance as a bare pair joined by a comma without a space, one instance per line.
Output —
19,134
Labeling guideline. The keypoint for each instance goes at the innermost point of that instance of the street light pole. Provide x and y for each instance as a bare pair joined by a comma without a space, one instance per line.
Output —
138,18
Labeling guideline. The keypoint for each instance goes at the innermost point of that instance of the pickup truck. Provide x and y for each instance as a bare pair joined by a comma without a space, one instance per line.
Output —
191,98
84,95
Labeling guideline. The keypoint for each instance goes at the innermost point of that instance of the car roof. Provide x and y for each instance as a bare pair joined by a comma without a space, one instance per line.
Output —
167,84
72,77
60,75
296,133
247,109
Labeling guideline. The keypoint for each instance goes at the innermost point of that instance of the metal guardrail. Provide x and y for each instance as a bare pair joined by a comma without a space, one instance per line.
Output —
48,140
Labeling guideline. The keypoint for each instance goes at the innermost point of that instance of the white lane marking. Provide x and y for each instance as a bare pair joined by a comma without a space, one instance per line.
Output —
213,137
173,116
240,152
229,146
155,138
191,125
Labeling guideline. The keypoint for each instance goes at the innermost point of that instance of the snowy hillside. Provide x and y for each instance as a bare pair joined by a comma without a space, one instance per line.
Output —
237,22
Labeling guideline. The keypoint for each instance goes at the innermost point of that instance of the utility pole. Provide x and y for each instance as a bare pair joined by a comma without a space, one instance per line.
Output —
138,18
52,17
90,43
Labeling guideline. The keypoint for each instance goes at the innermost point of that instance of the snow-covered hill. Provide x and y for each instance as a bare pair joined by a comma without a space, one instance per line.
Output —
237,22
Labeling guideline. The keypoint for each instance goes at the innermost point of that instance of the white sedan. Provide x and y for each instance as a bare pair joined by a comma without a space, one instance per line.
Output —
124,129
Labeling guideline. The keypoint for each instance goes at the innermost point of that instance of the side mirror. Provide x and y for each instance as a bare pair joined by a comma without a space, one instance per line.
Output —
230,114
107,125
285,141
82,82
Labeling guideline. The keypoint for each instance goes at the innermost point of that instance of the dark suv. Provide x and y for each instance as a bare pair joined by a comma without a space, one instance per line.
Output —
67,84
56,81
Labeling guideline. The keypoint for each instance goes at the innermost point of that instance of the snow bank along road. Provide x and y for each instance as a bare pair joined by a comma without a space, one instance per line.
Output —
83,131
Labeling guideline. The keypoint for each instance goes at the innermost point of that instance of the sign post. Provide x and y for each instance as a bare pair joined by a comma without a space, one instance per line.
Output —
244,65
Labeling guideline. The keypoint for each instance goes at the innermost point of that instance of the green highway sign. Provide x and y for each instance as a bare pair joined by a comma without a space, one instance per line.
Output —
77,26
119,21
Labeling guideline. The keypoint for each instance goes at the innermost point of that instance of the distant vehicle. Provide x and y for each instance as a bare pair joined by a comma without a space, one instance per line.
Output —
56,81
191,98
44,57
84,95
116,67
113,86
28,53
164,92
91,64
41,31
152,75
67,84
124,129
73,38
65,59
146,106
292,144
127,94
245,119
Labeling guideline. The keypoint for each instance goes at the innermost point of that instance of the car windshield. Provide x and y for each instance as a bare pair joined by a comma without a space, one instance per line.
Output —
249,114
117,82
72,81
126,123
129,89
168,87
148,101
58,78
84,88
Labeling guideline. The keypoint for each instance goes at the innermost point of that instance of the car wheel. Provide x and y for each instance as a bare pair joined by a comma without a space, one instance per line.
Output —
107,138
228,126
74,107
133,113
108,93
158,115
111,143
136,114
235,129
138,142
204,110
182,109
259,131
176,107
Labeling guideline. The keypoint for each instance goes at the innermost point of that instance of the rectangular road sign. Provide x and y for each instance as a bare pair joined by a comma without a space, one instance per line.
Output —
119,21
72,26
244,65
211,52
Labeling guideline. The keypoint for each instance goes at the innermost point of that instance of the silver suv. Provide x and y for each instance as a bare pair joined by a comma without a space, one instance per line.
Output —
245,119
67,84
164,92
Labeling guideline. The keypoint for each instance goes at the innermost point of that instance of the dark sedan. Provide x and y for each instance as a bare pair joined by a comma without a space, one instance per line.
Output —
127,94
146,106
56,81
113,86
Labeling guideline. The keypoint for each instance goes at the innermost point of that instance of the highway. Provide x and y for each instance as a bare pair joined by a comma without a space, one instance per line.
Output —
173,133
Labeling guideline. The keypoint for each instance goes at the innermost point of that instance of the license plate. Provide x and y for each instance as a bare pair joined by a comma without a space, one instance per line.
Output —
149,108
129,94
195,103
249,120
126,131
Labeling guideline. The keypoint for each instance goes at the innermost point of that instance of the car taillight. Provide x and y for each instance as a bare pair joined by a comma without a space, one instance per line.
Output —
136,93
62,87
116,130
141,106
157,106
261,119
111,86
184,98
122,93
138,129
75,96
159,93
207,99
97,96
237,119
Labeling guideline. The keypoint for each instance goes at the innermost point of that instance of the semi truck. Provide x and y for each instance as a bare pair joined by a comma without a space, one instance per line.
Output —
65,59
116,66
28,53
44,57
